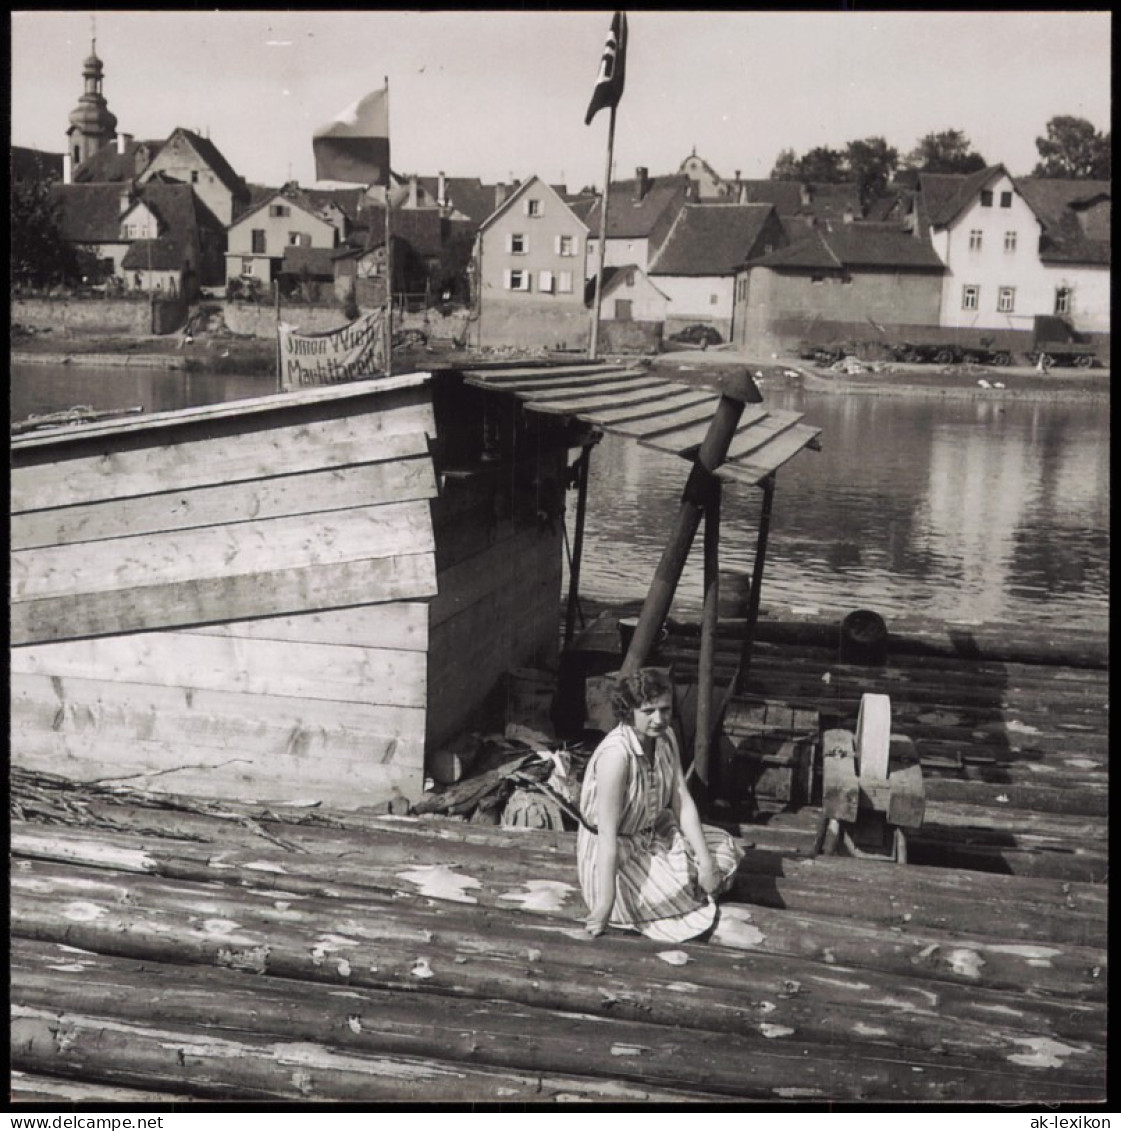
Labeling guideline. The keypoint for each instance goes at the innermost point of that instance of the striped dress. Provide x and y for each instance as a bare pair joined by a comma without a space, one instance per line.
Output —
657,890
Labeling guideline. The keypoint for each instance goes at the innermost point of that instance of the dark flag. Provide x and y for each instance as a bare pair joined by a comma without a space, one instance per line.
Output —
612,69
355,146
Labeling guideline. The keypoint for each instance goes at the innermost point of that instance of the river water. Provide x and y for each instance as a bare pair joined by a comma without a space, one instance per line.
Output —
971,510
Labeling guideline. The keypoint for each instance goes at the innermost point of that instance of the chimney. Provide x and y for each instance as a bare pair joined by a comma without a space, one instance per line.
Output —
124,199
412,191
441,189
641,183
67,169
122,144
499,194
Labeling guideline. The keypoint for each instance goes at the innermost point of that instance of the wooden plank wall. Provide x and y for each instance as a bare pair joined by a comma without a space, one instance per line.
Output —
499,557
234,605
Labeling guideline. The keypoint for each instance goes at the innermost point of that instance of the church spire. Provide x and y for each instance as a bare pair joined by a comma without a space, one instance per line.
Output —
92,126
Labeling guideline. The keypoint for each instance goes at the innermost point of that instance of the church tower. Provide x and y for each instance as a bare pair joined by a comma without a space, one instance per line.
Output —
92,126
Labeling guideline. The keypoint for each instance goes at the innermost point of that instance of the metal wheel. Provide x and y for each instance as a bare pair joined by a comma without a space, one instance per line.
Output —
1086,361
1002,358
943,357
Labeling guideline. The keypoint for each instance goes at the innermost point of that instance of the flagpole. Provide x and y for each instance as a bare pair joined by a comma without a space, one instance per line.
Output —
593,350
388,251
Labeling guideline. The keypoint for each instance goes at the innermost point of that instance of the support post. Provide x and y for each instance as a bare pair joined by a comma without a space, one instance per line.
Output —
702,743
593,348
744,666
582,465
388,257
279,360
737,391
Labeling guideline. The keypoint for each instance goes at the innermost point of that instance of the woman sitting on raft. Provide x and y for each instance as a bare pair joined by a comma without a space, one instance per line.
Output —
649,865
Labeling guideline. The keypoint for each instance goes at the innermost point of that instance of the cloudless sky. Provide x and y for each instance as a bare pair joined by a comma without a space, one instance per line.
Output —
503,93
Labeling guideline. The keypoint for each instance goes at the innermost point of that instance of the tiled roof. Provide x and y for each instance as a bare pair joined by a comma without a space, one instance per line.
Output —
792,198
1076,217
108,165
710,239
179,208
313,260
163,254
349,201
28,165
89,213
944,195
631,218
466,194
861,244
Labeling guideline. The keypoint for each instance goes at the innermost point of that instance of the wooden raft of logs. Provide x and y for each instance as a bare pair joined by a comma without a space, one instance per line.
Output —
165,946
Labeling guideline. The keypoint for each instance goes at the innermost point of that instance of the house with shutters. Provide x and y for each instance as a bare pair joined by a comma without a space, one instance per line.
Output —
529,265
697,265
1017,248
257,240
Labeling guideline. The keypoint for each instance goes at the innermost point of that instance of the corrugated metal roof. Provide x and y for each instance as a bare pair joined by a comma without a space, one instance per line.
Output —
671,416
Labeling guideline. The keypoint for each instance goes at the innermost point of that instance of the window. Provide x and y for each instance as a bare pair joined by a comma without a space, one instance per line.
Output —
975,235
516,243
1062,300
566,245
1006,299
970,296
817,278
279,210
194,176
533,207
545,282
630,278
986,198
517,280
1009,241
1006,200
622,309
247,266
713,300
258,241
564,282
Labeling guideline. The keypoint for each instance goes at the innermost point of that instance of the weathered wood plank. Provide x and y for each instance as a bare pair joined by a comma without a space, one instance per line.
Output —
256,547
396,624
30,1087
676,405
772,455
306,589
219,663
338,488
121,474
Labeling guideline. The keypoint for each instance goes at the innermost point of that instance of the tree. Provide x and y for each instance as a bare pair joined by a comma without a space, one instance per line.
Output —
1073,150
947,152
39,253
786,167
871,163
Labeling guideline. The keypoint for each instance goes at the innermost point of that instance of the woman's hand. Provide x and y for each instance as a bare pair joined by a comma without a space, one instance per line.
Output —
711,879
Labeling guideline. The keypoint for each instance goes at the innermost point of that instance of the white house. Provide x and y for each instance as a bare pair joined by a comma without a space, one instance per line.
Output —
1014,250
257,239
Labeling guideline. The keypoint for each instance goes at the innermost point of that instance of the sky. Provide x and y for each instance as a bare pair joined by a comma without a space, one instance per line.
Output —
502,94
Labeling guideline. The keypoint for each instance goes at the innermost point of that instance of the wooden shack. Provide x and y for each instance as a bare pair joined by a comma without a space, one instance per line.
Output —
296,596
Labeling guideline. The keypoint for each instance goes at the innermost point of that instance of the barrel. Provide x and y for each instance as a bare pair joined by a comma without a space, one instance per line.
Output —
864,638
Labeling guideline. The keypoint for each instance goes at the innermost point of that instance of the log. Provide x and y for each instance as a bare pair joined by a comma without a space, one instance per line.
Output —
31,1088
450,1032
243,1066
471,952
987,905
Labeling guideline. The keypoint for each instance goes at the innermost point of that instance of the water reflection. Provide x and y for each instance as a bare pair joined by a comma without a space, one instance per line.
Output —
964,510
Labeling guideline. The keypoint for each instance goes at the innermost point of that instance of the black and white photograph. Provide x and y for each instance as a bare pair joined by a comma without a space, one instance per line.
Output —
559,560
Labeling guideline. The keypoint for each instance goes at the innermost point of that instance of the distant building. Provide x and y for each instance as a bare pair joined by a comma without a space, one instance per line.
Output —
640,214
190,159
33,166
529,261
697,265
257,240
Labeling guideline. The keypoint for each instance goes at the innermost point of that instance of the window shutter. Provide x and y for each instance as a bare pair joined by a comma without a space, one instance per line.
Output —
525,280
509,242
506,278
557,245
565,283
545,282
575,245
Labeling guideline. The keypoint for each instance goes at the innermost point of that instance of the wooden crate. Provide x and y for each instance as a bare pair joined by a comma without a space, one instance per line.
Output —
770,754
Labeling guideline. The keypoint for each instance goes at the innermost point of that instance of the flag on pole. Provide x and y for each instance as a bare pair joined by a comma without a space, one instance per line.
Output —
612,69
354,147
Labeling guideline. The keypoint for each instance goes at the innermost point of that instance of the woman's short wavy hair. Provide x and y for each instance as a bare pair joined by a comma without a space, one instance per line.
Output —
640,687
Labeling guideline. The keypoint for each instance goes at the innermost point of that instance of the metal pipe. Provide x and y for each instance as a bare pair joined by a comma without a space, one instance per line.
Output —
582,465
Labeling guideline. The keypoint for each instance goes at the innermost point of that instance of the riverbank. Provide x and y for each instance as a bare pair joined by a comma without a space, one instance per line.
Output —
256,357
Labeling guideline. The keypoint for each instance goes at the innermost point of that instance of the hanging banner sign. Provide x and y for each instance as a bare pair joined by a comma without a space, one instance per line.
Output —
356,351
